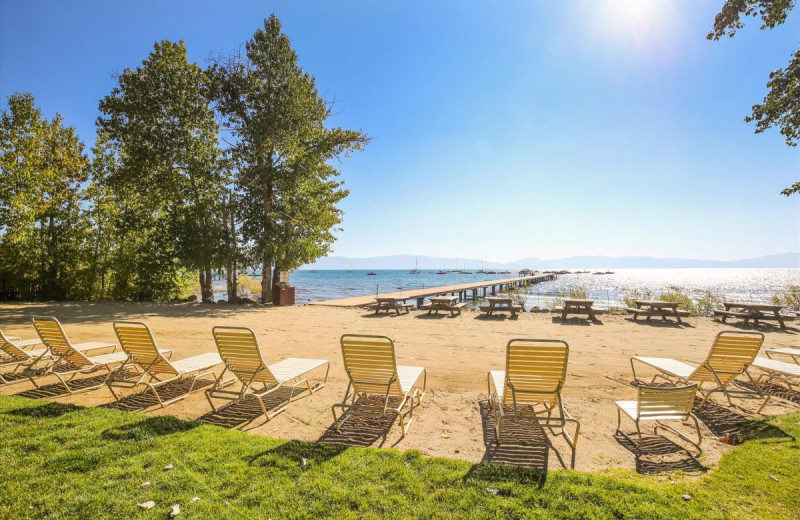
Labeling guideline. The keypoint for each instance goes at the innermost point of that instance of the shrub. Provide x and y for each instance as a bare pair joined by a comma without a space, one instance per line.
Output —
247,286
707,303
676,295
789,298
574,292
629,296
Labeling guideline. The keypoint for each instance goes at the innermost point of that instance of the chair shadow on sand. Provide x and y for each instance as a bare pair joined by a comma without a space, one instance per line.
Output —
362,430
524,454
141,401
735,428
659,454
246,413
56,389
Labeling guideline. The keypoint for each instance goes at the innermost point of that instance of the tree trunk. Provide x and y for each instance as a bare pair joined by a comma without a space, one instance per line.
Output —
266,281
206,285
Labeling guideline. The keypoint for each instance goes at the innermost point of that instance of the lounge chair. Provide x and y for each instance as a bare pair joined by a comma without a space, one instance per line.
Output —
68,360
241,354
794,353
780,370
13,353
529,389
152,367
731,354
655,403
375,377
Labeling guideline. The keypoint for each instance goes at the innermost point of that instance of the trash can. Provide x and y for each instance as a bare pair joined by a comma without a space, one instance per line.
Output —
282,294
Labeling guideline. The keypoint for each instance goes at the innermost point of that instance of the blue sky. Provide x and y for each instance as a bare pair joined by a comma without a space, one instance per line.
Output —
500,130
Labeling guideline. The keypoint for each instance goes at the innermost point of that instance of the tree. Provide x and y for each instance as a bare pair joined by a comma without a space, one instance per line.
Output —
160,121
781,105
43,227
282,151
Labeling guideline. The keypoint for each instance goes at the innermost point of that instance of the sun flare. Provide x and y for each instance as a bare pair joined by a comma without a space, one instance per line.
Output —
639,25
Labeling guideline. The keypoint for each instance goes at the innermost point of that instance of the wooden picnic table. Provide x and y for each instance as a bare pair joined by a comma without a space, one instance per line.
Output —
576,306
445,303
388,304
754,311
652,308
501,304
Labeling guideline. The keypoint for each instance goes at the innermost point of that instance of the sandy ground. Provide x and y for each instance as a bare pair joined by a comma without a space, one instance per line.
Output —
457,353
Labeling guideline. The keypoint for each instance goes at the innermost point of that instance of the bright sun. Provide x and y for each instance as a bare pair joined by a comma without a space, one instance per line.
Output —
639,25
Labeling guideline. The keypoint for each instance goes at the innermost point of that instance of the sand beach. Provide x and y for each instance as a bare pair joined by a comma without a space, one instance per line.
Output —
457,353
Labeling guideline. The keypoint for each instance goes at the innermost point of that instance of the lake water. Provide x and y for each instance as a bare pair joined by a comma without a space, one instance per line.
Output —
755,285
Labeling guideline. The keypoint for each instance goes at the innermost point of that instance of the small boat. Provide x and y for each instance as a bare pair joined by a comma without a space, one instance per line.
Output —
371,273
416,267
441,272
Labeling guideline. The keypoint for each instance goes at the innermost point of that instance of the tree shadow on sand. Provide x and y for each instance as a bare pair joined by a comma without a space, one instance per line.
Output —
658,455
107,312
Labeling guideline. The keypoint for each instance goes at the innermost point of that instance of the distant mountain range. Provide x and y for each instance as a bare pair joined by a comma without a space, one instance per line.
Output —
571,262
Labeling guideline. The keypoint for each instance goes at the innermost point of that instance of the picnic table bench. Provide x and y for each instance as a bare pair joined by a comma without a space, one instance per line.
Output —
444,303
388,304
576,306
501,304
650,308
754,311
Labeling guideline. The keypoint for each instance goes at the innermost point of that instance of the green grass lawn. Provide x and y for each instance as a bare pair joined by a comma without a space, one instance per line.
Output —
59,461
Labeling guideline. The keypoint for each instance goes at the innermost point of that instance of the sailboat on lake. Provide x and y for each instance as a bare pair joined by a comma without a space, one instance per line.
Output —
416,267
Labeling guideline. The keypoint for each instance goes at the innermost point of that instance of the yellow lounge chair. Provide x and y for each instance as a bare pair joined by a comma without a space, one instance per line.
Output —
731,354
241,354
68,360
658,404
13,352
529,389
152,365
373,372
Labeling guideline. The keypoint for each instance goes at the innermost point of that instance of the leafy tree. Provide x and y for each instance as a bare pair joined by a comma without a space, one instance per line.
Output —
42,225
781,106
282,151
160,120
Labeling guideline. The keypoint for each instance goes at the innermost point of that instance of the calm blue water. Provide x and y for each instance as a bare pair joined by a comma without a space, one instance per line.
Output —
757,285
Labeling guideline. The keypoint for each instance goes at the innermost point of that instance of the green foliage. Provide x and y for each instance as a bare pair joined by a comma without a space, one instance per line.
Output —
43,232
160,198
676,294
573,292
781,105
248,286
288,187
706,303
61,461
159,120
629,296
789,298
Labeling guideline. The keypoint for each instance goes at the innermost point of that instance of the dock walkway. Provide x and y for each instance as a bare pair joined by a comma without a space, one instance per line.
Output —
459,290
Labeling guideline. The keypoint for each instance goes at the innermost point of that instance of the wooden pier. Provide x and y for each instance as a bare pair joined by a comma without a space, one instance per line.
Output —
478,290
